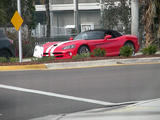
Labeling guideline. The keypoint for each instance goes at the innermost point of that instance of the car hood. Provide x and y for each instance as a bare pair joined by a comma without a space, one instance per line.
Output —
50,45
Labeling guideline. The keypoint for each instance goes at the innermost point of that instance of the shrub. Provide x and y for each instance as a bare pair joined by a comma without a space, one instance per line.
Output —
44,59
150,50
3,59
85,55
13,59
28,43
99,52
126,51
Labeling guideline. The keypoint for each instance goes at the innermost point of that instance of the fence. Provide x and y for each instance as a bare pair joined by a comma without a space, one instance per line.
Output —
41,31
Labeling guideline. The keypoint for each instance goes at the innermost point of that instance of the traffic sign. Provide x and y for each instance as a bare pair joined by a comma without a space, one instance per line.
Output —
17,20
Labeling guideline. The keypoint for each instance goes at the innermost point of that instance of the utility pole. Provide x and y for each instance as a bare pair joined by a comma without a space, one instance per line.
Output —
135,17
19,32
48,18
102,13
76,15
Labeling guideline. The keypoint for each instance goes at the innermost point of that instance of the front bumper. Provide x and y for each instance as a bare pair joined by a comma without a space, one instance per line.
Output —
61,55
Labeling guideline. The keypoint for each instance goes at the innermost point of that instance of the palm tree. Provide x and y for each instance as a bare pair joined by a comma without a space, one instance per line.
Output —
151,19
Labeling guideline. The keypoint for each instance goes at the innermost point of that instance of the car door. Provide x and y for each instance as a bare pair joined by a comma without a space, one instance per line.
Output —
111,45
94,38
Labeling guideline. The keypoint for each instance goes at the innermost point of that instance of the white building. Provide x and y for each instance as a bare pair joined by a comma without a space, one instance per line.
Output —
62,15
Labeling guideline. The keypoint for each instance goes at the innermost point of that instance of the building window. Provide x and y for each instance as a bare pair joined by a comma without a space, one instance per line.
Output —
39,2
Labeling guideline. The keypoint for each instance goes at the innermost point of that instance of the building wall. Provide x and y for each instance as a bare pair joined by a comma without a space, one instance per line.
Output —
71,1
62,14
61,19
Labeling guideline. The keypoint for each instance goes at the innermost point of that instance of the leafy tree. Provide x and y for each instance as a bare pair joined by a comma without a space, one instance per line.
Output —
28,14
8,7
115,14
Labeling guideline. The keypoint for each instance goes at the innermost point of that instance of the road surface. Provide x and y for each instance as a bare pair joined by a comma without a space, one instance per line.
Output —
110,84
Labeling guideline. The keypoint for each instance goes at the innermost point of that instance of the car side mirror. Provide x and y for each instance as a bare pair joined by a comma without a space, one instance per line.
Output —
71,38
108,37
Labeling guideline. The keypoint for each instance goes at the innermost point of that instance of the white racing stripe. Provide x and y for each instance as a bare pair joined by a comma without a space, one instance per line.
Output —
60,95
52,47
58,44
48,49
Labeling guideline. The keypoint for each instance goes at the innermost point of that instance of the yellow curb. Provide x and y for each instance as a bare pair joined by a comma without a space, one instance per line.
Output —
23,67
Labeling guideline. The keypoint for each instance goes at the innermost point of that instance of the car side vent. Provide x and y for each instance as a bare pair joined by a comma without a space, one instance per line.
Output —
55,45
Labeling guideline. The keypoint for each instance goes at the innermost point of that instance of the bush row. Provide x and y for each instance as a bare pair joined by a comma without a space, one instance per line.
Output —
5,60
98,52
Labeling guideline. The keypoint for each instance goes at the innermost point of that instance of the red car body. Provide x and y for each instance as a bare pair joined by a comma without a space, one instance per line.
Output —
109,40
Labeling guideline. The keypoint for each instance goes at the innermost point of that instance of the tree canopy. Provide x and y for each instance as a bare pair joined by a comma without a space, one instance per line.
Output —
117,15
8,7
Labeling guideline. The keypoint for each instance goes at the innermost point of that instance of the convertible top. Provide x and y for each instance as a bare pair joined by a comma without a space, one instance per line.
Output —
113,33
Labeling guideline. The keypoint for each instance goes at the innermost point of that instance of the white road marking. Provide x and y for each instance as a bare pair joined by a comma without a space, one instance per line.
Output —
61,96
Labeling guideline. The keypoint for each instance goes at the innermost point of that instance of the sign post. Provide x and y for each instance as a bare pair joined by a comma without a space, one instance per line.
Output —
19,32
17,22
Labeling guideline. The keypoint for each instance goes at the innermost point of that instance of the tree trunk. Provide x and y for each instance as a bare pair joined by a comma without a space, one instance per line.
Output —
151,19
48,18
135,17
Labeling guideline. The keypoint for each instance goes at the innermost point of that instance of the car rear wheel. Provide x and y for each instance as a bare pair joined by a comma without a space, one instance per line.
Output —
132,46
5,53
83,50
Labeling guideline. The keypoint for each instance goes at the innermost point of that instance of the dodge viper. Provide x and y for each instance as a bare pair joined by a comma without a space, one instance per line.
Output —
86,42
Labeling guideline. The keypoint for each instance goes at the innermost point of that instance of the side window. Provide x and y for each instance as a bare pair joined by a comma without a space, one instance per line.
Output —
93,35
114,34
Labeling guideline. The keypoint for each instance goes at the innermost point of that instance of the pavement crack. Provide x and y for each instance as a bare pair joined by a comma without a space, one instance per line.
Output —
61,117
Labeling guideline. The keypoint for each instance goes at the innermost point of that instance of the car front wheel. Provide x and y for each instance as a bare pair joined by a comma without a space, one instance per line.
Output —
83,50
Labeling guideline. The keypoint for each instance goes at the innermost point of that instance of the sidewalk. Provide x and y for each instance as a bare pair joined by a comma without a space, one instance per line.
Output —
145,110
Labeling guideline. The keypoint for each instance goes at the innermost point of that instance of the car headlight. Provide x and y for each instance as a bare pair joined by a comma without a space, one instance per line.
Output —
69,47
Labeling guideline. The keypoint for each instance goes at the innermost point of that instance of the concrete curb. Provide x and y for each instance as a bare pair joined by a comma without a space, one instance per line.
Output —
83,64
101,63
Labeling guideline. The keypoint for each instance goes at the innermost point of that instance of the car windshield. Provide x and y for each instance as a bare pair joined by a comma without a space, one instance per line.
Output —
2,35
90,35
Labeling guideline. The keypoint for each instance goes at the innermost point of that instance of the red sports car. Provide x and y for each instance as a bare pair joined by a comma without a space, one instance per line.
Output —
87,41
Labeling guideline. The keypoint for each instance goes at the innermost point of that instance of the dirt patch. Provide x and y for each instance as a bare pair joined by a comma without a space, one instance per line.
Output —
84,59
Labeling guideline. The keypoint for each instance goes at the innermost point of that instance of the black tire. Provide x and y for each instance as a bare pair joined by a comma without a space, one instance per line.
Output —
83,49
5,53
130,44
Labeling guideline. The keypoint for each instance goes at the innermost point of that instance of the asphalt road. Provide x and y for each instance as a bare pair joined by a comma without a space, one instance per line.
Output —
110,84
